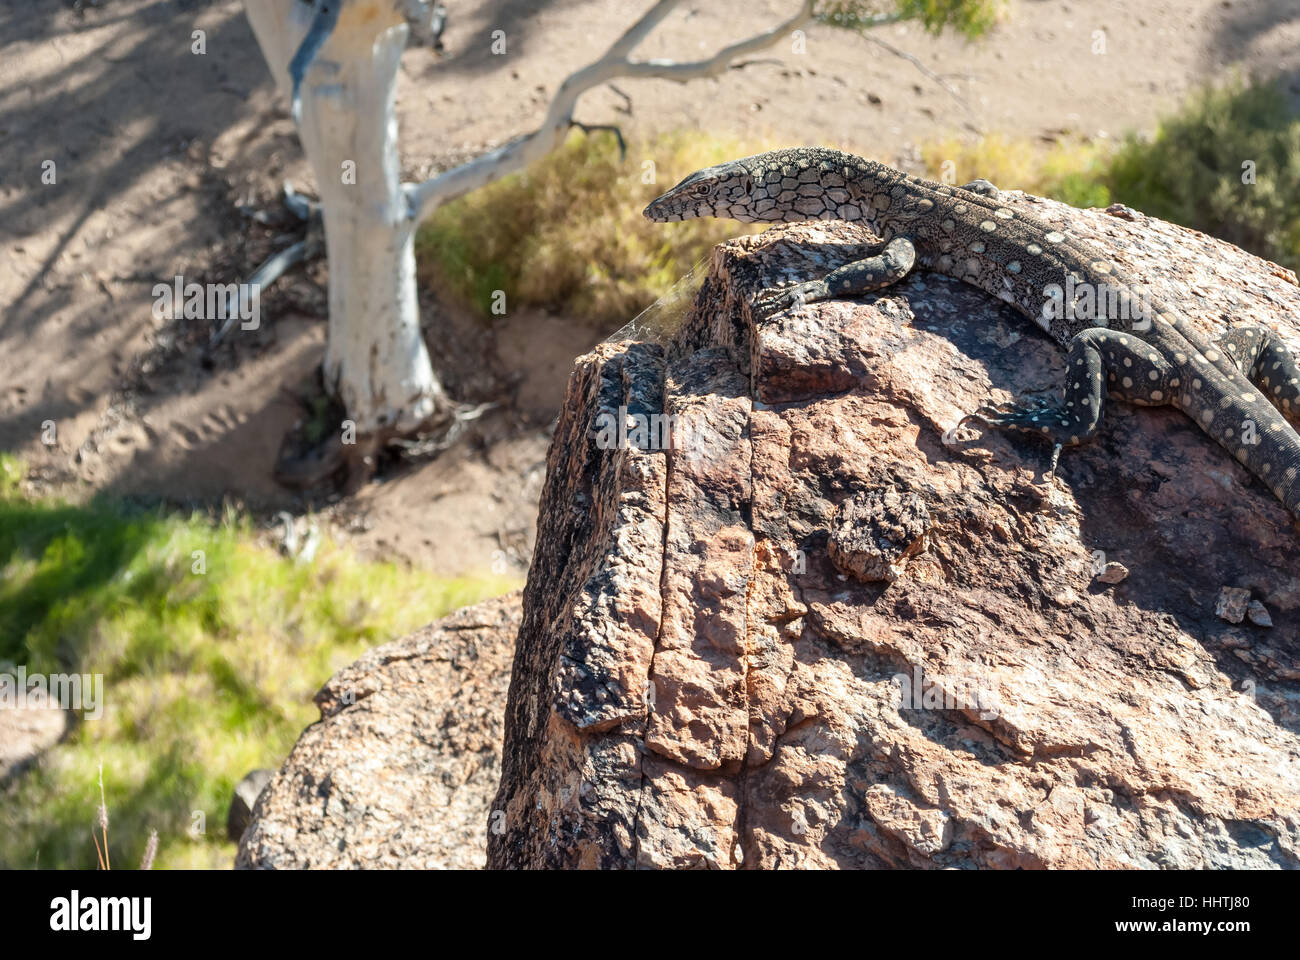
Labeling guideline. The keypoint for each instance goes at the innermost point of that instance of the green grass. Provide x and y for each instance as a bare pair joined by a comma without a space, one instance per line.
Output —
206,675
1189,172
568,234
970,18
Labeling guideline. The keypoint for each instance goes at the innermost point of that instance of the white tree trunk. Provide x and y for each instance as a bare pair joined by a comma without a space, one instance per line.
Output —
376,360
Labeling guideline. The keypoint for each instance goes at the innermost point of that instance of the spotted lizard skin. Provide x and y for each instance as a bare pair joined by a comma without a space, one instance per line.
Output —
1241,390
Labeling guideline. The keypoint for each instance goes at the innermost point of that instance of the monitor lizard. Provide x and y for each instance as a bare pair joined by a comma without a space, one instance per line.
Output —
1237,389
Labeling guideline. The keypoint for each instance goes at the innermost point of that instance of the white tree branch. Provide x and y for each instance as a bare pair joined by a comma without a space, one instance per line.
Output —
425,197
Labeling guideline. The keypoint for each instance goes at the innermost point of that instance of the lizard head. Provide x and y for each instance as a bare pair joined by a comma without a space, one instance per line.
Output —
765,188
722,191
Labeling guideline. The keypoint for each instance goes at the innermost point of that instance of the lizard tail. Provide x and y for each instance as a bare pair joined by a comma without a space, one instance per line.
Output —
1241,420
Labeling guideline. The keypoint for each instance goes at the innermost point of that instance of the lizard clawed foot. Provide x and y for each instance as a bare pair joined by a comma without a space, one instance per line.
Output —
790,298
1031,415
1028,416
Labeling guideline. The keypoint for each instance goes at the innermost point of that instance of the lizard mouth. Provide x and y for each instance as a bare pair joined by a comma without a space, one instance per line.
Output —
656,212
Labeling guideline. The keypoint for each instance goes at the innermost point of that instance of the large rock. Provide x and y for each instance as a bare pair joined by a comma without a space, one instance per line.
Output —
399,770
26,732
819,633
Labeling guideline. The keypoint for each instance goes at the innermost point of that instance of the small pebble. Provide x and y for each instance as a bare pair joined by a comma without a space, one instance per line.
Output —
1232,603
1257,614
1113,573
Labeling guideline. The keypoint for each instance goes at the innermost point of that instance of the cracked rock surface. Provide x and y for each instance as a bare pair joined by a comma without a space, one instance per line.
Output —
698,682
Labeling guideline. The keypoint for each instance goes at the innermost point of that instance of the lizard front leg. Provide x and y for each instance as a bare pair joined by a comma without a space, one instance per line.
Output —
1267,363
1101,363
854,279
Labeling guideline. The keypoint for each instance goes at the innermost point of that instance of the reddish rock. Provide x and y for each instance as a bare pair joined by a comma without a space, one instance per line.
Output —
1113,573
698,684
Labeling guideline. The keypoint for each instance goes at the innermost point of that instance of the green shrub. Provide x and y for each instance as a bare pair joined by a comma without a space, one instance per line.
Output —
1191,171
568,233
972,18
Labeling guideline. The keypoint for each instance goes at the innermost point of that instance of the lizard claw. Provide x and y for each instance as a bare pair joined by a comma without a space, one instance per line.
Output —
791,298
1056,458
1030,416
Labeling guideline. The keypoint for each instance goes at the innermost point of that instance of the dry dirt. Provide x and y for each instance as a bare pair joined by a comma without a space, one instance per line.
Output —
156,148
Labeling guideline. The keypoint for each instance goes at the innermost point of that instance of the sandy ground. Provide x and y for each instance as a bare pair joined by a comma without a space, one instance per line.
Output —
156,148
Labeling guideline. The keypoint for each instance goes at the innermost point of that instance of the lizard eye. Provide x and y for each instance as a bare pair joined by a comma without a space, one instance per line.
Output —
702,189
